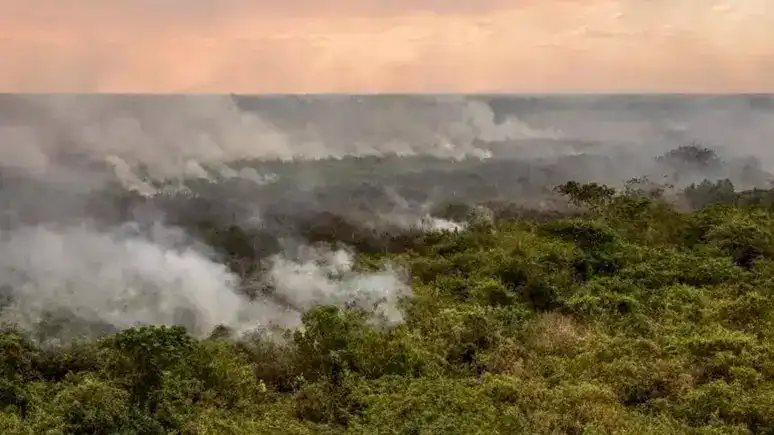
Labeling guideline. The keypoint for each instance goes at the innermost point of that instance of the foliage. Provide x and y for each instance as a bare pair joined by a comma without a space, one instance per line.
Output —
630,317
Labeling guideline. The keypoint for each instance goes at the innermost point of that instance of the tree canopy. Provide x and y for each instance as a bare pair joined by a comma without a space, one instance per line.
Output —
626,315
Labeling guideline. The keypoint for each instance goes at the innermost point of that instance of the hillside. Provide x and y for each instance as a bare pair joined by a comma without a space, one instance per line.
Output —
621,315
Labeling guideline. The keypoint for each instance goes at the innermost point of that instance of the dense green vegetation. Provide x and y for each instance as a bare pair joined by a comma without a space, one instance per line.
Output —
627,316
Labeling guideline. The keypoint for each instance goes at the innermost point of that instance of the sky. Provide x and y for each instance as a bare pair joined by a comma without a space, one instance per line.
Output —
386,46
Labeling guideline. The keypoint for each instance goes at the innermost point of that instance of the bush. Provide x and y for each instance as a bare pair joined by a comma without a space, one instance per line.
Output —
628,316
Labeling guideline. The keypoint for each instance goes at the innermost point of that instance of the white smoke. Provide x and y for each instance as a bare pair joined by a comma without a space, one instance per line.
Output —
423,222
116,278
321,276
153,144
182,136
122,279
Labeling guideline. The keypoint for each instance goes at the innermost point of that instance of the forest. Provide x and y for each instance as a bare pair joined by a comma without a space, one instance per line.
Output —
628,311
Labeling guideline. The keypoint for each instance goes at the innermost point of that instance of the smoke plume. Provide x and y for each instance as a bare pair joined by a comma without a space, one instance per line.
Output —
103,196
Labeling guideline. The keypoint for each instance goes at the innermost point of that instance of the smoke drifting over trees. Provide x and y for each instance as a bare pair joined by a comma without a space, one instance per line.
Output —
292,261
108,199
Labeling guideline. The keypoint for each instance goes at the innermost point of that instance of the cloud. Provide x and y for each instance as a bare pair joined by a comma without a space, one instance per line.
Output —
372,46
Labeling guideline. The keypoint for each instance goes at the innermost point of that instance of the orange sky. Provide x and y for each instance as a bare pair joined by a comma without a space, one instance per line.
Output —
257,46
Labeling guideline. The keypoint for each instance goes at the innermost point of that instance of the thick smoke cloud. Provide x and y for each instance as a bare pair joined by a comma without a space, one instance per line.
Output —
114,279
118,279
70,245
330,279
172,136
